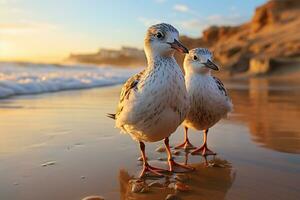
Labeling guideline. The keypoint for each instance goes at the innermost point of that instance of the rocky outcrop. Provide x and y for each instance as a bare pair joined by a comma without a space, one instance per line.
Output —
271,13
215,33
260,65
273,32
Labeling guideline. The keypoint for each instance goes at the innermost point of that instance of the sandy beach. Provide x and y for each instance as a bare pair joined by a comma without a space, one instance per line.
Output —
62,67
62,146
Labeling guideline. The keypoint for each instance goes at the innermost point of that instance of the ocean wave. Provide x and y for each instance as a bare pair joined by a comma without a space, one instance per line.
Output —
28,78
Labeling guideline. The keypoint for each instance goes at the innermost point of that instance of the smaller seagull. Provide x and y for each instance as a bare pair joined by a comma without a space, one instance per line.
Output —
209,101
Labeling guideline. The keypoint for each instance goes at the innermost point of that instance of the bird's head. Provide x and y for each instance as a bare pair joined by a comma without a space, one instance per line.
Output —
199,60
163,39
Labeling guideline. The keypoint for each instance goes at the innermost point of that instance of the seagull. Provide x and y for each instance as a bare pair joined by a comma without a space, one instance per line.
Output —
154,102
209,100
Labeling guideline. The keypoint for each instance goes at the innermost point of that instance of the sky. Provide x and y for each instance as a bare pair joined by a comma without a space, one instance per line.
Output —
49,30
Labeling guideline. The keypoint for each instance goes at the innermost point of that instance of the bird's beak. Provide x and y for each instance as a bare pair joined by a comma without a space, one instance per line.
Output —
211,65
178,46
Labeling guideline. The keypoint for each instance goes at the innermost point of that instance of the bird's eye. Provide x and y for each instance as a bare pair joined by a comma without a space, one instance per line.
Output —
195,58
159,35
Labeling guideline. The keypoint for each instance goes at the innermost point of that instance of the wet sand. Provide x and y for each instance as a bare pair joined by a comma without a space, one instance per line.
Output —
61,146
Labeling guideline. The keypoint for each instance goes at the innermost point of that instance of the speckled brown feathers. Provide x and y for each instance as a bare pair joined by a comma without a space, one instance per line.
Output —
131,84
221,86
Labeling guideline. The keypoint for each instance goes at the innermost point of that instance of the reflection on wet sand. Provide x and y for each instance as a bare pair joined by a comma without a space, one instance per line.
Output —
206,182
271,110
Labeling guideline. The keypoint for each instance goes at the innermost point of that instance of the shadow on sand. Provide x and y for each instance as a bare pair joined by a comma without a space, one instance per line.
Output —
211,180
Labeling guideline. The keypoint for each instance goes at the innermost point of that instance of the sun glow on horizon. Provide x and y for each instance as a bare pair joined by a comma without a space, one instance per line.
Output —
38,42
50,30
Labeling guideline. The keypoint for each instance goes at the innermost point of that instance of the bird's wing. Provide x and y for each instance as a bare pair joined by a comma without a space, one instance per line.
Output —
220,86
131,84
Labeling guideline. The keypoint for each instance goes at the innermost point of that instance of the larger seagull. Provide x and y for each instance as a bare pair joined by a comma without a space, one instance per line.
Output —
154,102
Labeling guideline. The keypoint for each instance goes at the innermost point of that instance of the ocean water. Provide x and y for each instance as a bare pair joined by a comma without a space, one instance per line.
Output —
28,78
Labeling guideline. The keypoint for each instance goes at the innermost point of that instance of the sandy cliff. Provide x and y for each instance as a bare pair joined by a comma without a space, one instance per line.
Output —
269,40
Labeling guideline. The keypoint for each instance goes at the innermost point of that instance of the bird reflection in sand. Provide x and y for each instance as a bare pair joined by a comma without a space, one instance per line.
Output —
205,158
211,181
271,110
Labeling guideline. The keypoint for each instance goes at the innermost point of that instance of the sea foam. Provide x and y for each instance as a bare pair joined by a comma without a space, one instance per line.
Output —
28,78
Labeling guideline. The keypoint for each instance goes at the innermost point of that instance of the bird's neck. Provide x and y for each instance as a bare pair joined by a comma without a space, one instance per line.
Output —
197,74
162,62
153,55
155,60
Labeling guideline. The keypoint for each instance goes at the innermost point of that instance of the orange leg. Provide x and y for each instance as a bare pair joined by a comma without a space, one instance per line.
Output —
146,166
171,162
206,161
204,150
186,144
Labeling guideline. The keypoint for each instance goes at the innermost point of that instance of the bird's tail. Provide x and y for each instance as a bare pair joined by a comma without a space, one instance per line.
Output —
110,115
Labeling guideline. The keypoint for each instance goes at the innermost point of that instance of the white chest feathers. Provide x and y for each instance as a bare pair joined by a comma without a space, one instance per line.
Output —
208,101
158,104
